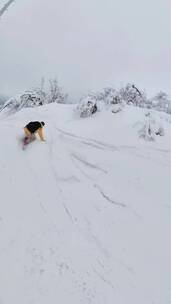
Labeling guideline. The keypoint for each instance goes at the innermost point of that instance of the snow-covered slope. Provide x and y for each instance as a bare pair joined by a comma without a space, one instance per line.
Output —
86,216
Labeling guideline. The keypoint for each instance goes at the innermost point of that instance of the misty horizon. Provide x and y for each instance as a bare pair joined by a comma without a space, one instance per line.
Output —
86,45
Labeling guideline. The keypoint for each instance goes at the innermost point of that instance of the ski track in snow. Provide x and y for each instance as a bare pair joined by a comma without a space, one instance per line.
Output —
109,199
120,148
86,163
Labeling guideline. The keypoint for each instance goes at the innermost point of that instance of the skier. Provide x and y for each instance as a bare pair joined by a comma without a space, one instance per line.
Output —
31,129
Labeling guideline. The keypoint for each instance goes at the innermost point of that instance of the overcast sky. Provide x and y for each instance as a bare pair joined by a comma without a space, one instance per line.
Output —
86,44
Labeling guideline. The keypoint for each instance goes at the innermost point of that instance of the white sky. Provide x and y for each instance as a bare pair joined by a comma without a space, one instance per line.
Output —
87,44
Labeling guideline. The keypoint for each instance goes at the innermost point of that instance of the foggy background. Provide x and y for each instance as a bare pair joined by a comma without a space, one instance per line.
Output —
86,44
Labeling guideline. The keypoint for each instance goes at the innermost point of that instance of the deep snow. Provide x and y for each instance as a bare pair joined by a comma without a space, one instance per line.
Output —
86,216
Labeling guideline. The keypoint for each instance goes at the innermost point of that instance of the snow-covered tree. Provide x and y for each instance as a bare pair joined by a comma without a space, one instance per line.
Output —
87,106
51,93
132,95
41,92
110,96
36,97
55,93
27,99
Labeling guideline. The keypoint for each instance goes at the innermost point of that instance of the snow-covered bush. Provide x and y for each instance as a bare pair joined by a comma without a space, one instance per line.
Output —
161,102
150,128
147,132
110,96
36,97
55,93
28,99
87,106
130,94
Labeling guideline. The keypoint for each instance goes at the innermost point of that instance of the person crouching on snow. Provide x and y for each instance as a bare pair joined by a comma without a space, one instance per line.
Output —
32,128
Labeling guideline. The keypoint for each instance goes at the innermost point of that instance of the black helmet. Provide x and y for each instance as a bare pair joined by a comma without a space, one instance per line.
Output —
42,123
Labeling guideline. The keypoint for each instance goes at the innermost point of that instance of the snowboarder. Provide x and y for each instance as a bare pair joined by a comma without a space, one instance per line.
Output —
32,128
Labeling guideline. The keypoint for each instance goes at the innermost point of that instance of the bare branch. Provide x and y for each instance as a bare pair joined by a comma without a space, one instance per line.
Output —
5,7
